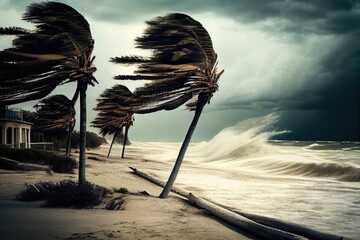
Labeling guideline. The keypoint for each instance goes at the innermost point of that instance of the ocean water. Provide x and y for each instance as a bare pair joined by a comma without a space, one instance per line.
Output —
315,184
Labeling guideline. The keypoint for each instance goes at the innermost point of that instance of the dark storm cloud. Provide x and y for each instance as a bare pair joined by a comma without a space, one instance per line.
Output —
333,108
338,84
319,16
335,85
307,16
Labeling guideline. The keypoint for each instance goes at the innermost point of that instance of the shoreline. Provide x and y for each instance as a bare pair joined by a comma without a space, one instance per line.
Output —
144,217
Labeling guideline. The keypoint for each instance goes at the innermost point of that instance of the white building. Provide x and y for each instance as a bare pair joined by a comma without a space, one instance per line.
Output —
15,132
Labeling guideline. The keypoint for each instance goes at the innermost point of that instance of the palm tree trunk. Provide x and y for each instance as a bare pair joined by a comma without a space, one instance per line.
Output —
83,86
125,138
68,141
200,105
112,142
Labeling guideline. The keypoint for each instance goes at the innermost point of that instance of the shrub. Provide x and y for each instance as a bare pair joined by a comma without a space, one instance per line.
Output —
62,164
67,194
59,164
21,155
92,140
44,157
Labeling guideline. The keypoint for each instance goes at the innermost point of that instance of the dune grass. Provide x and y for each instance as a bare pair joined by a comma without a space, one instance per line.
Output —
65,194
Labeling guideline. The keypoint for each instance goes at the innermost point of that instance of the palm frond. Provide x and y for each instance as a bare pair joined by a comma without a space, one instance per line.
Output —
13,31
135,77
114,110
57,51
55,112
129,59
182,65
54,19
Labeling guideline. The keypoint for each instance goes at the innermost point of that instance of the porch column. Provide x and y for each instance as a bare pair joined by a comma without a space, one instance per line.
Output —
13,137
28,137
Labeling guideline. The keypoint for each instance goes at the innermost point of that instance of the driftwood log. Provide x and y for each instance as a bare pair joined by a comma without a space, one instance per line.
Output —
288,227
9,164
259,226
256,229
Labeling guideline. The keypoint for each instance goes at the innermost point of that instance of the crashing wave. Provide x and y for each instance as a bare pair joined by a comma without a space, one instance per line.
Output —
246,146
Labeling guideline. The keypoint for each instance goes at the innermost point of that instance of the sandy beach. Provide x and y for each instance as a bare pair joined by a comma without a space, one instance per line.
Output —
144,217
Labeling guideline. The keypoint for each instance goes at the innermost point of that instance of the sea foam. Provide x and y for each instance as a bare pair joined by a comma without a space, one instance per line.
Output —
246,147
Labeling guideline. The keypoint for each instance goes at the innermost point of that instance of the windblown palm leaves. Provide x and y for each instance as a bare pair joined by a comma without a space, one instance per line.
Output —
58,51
56,113
183,64
114,113
182,69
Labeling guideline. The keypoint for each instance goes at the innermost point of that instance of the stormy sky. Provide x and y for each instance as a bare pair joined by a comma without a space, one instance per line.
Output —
300,59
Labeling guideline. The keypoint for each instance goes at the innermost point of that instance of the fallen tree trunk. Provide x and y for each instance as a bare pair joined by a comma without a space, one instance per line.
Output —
224,214
235,219
256,229
9,164
267,221
288,227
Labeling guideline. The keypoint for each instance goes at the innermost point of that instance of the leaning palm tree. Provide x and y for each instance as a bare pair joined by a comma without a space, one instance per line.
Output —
56,52
114,114
56,112
182,69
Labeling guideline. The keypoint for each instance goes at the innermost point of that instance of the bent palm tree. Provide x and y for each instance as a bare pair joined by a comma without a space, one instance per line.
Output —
183,67
58,51
114,114
56,113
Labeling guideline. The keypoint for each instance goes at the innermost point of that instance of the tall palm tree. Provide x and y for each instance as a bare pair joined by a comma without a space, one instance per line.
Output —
182,69
56,112
114,114
56,52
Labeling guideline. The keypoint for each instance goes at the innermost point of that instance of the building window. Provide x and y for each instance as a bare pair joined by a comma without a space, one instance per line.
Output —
9,135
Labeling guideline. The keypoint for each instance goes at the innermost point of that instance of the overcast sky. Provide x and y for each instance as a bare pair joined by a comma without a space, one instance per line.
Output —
300,59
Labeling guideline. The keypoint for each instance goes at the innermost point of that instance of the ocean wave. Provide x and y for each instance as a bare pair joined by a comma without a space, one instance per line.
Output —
244,139
245,146
342,172
335,145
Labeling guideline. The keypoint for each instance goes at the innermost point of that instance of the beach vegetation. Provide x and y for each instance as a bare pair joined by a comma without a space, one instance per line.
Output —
115,116
65,194
181,70
56,52
58,163
92,140
56,112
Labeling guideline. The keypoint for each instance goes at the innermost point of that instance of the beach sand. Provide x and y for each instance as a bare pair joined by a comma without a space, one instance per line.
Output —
144,217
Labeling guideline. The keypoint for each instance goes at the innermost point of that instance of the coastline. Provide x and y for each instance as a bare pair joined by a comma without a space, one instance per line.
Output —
144,217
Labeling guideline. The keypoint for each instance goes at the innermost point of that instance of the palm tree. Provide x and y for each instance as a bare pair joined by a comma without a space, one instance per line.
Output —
114,114
56,113
182,69
56,52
